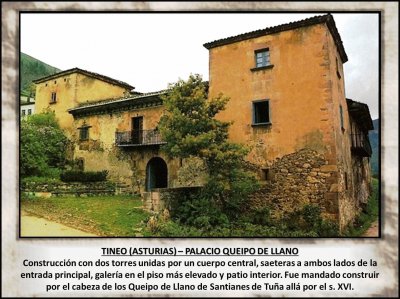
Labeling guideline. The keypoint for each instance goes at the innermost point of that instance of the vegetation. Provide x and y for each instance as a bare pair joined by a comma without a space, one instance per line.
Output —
83,176
43,146
32,69
369,214
101,215
304,222
191,130
374,140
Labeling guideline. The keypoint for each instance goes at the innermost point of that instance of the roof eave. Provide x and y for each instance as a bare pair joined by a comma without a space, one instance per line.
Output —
87,73
328,19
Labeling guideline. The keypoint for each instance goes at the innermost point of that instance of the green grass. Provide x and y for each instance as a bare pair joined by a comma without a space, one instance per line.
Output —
101,215
368,215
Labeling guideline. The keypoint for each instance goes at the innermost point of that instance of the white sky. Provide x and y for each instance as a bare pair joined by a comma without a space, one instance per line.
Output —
150,50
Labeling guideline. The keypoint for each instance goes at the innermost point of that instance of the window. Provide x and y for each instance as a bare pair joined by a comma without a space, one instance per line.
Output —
29,111
53,97
262,58
346,182
265,172
337,69
23,112
341,117
261,115
80,164
84,133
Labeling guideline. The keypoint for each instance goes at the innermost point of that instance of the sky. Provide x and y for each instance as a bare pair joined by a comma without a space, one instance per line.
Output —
151,50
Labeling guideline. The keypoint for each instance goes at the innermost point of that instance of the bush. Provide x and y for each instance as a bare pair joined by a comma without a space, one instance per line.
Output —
43,145
82,176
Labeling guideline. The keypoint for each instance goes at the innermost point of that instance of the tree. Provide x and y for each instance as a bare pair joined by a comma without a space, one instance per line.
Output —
43,145
190,128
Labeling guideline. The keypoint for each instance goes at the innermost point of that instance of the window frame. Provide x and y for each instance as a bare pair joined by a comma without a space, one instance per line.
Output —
262,67
84,129
53,97
267,55
253,112
341,116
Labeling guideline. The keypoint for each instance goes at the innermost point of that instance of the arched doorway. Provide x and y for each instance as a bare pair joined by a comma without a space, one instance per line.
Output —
156,174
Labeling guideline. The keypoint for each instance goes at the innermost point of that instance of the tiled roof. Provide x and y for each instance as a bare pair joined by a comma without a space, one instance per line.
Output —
328,19
134,102
87,73
360,113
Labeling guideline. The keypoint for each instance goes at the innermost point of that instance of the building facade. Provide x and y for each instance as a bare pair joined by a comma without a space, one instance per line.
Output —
27,105
287,102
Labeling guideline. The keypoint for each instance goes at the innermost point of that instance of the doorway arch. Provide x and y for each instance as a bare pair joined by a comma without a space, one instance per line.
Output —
156,174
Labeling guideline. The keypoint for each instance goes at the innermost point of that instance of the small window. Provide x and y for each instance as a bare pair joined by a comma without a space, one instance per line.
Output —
262,58
265,173
23,112
29,111
261,115
55,82
84,133
80,164
341,117
346,182
337,69
53,97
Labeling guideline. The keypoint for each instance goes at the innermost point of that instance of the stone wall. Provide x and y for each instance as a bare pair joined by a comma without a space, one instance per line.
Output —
300,178
67,189
158,199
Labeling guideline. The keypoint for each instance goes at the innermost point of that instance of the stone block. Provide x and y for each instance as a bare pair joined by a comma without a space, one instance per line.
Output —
334,188
329,168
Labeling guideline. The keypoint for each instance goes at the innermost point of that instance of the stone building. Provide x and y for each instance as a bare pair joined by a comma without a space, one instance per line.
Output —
287,101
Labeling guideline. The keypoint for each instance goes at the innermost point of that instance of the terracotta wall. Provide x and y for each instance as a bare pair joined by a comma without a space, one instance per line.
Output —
72,90
298,88
305,88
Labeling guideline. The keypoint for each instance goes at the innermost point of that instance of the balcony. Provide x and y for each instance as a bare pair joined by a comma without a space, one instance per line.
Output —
360,145
138,138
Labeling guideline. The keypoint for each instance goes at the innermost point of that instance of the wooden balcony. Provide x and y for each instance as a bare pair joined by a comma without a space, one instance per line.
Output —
137,138
360,145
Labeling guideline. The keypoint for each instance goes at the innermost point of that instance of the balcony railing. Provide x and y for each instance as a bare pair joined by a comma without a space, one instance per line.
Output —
138,138
360,145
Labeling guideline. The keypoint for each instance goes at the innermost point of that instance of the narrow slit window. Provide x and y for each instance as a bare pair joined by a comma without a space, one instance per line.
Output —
53,97
341,117
337,69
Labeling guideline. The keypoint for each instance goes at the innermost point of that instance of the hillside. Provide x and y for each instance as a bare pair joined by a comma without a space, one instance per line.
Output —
32,69
374,140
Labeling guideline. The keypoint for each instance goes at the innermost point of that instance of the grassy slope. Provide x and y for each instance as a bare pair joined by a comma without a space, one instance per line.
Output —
32,69
102,215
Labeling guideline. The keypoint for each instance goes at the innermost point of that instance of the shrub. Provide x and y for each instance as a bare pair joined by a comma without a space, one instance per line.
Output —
82,176
43,145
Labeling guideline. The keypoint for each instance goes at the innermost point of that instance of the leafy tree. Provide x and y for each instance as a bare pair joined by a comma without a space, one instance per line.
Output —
190,129
43,145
